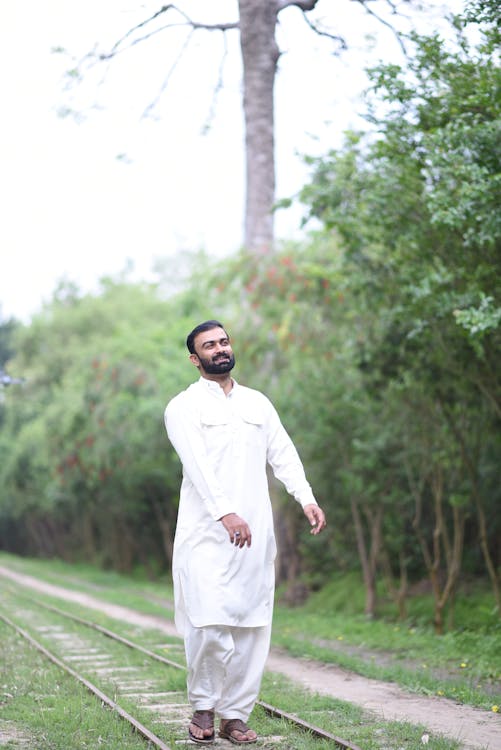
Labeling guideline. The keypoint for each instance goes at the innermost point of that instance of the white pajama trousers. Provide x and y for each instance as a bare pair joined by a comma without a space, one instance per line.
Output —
225,667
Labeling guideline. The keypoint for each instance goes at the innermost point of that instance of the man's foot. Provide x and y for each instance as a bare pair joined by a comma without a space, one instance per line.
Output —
201,729
236,731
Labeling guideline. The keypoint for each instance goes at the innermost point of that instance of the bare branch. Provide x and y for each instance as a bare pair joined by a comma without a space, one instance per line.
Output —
141,25
194,25
115,51
218,87
305,6
151,106
397,34
321,32
185,21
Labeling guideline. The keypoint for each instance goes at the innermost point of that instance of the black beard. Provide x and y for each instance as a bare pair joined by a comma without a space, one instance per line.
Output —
217,368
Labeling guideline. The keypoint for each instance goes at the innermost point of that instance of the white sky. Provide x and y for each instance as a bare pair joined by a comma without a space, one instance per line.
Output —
81,196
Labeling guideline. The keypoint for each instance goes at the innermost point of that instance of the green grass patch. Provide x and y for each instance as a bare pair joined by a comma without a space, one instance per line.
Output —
49,710
463,664
149,597
339,718
165,645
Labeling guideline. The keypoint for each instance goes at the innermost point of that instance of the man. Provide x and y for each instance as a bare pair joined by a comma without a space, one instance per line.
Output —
224,547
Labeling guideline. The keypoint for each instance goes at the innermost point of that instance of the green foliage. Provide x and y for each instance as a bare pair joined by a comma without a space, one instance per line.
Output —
88,471
416,210
378,340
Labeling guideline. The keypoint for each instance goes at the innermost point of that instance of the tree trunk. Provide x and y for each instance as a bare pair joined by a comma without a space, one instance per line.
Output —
399,595
368,551
470,461
258,19
87,534
484,545
165,527
443,590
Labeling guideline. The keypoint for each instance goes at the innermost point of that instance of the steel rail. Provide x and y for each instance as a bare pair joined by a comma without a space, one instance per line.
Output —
140,728
109,634
293,719
269,709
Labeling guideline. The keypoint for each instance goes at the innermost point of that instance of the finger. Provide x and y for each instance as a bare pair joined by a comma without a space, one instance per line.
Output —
239,538
316,519
312,517
248,536
320,524
243,538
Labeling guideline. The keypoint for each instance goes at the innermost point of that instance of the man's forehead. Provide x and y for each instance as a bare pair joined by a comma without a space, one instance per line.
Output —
214,334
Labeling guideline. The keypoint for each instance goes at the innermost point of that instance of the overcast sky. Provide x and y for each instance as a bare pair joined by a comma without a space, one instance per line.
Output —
83,194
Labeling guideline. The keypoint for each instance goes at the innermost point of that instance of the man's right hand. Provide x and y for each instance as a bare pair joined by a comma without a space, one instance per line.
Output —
238,530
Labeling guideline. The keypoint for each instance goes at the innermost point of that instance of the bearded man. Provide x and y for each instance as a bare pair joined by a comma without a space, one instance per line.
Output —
224,549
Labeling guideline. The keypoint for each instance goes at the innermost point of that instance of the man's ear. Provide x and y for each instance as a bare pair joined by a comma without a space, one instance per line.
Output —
194,360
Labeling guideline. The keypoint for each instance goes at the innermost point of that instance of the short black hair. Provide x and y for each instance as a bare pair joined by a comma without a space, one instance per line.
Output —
200,328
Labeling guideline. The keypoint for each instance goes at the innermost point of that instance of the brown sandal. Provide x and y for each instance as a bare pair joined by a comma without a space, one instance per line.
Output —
235,725
203,720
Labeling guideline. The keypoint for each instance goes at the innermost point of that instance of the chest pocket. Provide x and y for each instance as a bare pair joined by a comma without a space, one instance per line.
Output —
210,420
253,429
216,430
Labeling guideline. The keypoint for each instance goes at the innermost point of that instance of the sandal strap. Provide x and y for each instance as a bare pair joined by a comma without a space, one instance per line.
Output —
235,725
203,719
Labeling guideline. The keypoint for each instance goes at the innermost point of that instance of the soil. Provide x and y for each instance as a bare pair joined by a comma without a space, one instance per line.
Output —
10,734
472,727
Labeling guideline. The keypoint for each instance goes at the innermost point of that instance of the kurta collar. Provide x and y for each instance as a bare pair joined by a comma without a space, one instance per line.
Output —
216,389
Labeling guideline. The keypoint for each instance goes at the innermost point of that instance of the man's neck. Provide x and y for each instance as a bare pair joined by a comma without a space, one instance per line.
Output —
224,380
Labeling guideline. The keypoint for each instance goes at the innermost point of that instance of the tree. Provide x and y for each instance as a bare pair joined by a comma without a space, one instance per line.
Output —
416,208
257,25
86,468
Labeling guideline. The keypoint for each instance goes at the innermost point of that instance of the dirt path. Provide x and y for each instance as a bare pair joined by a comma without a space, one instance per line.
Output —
473,727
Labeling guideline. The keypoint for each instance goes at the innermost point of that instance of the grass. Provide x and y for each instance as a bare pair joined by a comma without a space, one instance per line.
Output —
53,712
44,709
342,719
464,664
149,597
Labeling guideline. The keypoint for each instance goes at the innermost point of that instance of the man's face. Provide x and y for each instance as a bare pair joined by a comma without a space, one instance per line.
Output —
213,352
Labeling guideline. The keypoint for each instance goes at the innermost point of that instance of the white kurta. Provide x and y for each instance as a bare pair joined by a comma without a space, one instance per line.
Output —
224,443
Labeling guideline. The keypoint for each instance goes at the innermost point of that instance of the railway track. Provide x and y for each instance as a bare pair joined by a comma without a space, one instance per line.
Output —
143,695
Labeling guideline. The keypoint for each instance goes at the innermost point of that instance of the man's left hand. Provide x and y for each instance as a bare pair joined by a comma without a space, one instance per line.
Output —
316,517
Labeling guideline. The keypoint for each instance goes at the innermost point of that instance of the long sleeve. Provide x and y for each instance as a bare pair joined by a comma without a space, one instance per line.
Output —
185,433
285,462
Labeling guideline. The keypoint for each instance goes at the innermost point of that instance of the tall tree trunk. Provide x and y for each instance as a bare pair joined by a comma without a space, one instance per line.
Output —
470,461
399,595
164,525
443,590
484,545
288,561
87,534
368,551
258,19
